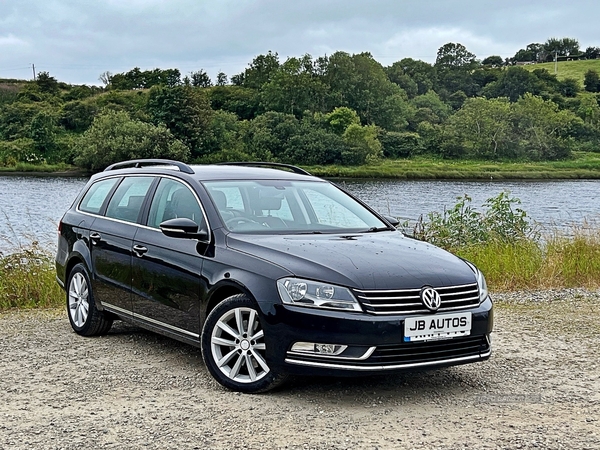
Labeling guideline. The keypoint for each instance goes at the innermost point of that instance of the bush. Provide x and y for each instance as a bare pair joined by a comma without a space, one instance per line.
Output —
463,226
115,137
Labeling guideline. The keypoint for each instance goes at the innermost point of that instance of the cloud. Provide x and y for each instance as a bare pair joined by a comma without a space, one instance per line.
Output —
76,40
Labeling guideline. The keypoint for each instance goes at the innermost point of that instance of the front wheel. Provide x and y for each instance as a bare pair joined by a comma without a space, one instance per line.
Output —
233,347
85,318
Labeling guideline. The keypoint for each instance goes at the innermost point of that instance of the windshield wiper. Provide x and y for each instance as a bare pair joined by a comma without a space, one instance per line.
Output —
377,229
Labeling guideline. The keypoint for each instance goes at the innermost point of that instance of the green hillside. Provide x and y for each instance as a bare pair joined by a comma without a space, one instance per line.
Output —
569,69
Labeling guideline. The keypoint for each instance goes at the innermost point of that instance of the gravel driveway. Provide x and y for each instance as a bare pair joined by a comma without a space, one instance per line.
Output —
134,389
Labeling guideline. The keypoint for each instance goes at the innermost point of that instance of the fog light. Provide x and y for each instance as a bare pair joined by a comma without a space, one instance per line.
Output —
318,349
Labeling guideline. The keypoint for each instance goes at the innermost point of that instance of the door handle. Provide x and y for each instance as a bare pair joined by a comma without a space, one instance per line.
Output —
139,250
95,237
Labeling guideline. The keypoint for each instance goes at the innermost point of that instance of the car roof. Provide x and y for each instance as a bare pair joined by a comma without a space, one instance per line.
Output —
214,172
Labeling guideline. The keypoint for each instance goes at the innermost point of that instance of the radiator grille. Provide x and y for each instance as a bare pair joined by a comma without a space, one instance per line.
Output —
408,301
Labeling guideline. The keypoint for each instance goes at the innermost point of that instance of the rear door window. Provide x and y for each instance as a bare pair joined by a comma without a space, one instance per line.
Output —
126,203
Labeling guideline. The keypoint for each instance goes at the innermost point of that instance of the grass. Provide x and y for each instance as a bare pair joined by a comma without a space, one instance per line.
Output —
585,165
28,280
21,167
556,261
568,69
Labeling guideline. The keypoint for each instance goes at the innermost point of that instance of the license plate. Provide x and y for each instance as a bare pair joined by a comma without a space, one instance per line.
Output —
437,326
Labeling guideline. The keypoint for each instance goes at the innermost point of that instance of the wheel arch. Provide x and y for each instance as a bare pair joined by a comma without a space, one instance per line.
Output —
223,291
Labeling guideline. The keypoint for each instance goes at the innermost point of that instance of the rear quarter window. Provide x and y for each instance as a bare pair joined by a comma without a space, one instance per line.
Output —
96,195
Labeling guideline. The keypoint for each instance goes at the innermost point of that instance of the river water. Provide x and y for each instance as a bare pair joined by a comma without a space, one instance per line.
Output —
30,207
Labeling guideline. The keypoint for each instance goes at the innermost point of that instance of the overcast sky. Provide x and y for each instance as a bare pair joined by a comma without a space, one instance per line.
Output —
77,40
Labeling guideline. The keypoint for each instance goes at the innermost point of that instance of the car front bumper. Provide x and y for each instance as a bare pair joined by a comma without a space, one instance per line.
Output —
371,344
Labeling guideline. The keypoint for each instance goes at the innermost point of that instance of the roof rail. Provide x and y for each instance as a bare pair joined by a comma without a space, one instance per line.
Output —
266,164
151,162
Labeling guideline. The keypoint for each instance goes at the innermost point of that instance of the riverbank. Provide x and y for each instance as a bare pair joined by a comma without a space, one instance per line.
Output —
58,170
582,165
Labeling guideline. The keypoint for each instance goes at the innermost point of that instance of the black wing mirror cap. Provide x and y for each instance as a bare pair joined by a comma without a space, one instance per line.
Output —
183,227
392,220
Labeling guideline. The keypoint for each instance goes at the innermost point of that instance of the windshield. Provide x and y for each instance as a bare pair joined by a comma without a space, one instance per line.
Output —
289,207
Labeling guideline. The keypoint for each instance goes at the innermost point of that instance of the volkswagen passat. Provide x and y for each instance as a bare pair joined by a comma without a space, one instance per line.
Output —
270,272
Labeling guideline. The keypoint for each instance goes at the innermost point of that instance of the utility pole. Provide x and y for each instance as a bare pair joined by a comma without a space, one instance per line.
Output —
555,62
33,67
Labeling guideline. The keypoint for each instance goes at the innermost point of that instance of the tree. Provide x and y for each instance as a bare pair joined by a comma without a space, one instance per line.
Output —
43,131
243,102
46,83
185,111
541,129
454,56
200,79
77,115
314,146
592,53
363,145
221,79
295,88
341,118
259,71
420,72
396,75
562,47
532,53
513,83
493,61
454,65
138,79
430,108
360,83
569,87
114,137
591,81
105,78
483,128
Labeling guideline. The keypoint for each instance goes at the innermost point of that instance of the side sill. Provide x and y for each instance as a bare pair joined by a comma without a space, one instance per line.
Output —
117,310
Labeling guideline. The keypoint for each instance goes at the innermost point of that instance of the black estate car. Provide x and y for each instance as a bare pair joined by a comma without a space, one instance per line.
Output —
271,272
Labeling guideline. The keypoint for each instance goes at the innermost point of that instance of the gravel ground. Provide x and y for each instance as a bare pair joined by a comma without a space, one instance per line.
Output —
134,389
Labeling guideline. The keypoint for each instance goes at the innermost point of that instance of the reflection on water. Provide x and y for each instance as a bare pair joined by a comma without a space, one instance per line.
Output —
30,207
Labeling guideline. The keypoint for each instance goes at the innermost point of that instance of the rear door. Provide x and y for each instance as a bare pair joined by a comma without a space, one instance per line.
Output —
111,238
167,285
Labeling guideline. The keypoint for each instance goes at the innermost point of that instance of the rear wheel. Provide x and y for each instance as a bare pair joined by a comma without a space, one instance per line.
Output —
233,347
85,318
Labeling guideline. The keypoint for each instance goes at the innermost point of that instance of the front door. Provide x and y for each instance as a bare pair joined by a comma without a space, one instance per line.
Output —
166,275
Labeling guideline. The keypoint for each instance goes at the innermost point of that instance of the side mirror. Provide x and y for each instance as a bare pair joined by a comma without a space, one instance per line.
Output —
183,227
392,220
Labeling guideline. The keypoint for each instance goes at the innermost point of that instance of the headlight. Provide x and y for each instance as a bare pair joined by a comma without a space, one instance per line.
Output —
295,291
483,289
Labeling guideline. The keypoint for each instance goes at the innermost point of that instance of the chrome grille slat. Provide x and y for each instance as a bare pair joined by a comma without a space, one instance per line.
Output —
407,301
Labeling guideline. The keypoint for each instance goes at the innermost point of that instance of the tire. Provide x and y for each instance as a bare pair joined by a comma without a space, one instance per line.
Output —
85,318
233,347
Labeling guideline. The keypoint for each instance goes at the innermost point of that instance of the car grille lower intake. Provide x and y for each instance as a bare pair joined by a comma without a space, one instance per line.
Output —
408,301
430,351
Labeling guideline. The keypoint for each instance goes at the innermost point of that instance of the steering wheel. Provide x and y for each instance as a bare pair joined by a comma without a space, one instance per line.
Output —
235,221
